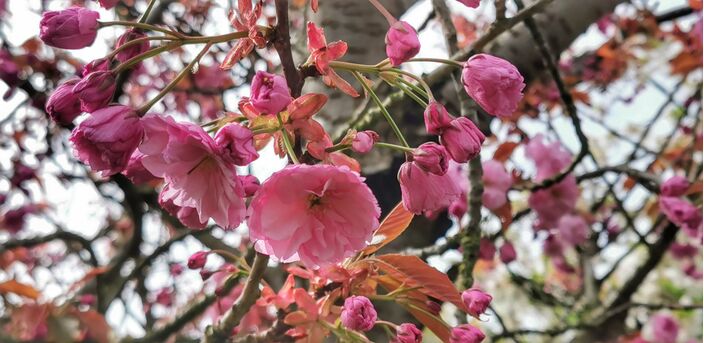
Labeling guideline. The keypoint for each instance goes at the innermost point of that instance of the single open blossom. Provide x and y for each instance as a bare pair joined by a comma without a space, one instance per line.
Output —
494,83
322,53
135,170
363,141
462,139
358,313
466,334
63,105
95,90
573,229
407,333
244,18
507,253
675,186
250,184
401,42
476,301
497,182
422,191
318,214
72,28
106,140
436,118
198,260
470,3
236,144
270,93
431,157
133,50
661,328
200,183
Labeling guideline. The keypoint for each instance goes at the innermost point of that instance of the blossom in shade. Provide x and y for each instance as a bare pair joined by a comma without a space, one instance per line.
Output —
458,208
250,183
133,50
422,191
675,186
198,260
436,118
270,93
407,333
470,3
63,105
72,28
236,144
431,157
487,250
13,220
198,179
363,141
322,53
661,328
106,140
507,253
476,301
95,90
683,250
494,83
497,182
401,42
358,313
318,214
573,229
462,139
466,334
135,170
100,64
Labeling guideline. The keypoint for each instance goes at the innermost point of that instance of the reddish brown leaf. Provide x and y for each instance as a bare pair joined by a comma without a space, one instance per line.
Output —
94,322
391,227
504,214
12,286
435,324
504,151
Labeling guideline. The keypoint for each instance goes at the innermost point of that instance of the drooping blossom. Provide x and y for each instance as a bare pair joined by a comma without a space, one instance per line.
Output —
244,18
476,301
198,179
198,260
573,229
470,3
358,313
100,64
661,328
494,83
436,118
72,28
318,214
507,253
407,333
106,140
402,42
431,157
95,90
322,53
236,144
135,170
675,186
497,182
270,93
422,191
63,105
133,50
250,184
466,334
363,141
462,139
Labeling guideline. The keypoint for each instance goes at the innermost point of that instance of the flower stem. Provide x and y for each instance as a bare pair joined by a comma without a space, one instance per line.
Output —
136,42
142,26
415,77
391,19
287,141
437,60
145,15
143,56
386,114
394,146
354,66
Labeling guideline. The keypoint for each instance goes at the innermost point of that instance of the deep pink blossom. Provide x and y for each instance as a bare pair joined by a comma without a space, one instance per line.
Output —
458,208
436,118
487,250
683,250
197,177
476,301
135,170
106,140
494,83
100,64
675,186
401,42
466,334
682,213
133,50
63,105
470,3
358,313
95,90
318,214
236,144
497,182
108,4
250,184
462,139
9,72
72,28
661,328
426,192
507,253
270,93
431,157
407,333
13,220
363,141
573,229
198,260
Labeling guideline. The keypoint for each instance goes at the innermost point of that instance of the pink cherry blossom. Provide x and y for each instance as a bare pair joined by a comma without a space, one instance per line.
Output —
661,328
552,203
250,183
476,301
363,141
318,214
573,229
462,139
236,144
470,3
487,250
322,53
270,93
407,333
507,253
549,158
196,175
682,213
497,182
436,118
133,50
63,105
135,170
401,42
426,192
494,83
244,18
358,314
675,186
72,28
198,260
431,157
95,90
466,334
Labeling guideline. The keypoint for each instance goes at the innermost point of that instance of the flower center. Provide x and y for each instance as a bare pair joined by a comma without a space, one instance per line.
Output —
314,200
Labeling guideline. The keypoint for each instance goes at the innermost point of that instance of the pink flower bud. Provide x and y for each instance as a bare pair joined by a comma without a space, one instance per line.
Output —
164,297
236,144
431,157
487,250
106,140
507,253
422,191
470,3
270,93
407,333
463,140
63,105
494,83
250,184
675,186
101,64
95,90
476,301
436,117
206,274
358,313
198,260
72,28
458,208
363,141
133,50
466,334
401,42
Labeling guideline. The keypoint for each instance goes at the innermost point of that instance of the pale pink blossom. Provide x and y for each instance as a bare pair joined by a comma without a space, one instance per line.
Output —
318,214
497,182
494,83
549,158
426,192
401,42
573,229
552,203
